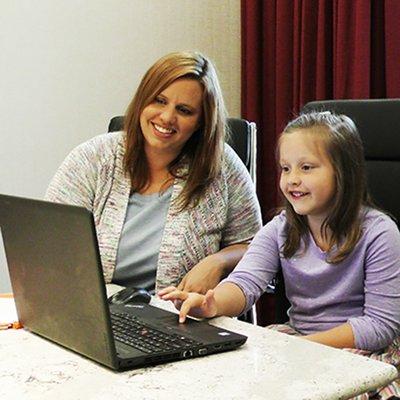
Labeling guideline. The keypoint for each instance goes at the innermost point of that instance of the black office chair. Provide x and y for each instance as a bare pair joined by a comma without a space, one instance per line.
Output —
378,123
242,137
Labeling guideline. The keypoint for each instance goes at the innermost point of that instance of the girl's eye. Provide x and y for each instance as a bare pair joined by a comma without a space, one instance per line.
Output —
307,167
284,168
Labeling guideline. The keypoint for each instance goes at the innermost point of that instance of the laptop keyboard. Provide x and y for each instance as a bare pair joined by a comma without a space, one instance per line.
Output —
130,330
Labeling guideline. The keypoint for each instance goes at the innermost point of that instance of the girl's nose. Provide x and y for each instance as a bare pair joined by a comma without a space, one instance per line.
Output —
294,179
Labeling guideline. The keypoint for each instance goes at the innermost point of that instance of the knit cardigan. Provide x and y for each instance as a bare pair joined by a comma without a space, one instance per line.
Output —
93,176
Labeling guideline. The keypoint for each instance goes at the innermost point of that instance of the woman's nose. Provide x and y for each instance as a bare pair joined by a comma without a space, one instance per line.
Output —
168,115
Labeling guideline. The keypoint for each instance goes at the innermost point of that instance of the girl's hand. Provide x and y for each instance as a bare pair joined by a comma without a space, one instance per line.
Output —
197,305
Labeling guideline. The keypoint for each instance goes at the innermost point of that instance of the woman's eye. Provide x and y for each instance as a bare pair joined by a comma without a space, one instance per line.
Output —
159,100
184,111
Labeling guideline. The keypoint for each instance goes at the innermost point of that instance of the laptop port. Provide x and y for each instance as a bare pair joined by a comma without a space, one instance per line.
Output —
217,346
202,351
187,353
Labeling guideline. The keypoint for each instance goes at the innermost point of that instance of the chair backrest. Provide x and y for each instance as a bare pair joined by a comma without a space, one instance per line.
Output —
378,122
242,138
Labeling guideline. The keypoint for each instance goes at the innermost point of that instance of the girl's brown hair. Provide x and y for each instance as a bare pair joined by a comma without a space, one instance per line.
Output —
344,148
203,151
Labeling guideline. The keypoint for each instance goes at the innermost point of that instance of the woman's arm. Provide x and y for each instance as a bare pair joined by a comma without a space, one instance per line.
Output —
209,271
75,180
243,220
243,213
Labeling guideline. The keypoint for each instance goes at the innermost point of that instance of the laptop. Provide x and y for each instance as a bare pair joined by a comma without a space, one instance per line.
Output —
60,294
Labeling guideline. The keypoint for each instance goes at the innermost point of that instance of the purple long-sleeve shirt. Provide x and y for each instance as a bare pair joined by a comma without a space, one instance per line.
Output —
363,290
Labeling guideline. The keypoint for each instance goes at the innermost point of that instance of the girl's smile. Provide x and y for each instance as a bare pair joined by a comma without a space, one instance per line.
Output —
297,194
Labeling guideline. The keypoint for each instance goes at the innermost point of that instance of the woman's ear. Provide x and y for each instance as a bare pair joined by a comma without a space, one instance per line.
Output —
200,124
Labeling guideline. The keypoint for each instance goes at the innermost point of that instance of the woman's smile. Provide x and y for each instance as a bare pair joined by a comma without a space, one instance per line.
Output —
162,132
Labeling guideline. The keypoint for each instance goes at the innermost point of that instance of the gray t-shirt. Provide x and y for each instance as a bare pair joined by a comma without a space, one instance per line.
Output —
141,239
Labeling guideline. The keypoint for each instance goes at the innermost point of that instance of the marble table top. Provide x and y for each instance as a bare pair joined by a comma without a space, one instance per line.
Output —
271,365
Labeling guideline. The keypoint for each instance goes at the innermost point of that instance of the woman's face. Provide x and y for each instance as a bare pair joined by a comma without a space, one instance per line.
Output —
170,120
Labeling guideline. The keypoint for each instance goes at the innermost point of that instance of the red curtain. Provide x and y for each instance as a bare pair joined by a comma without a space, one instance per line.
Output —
295,51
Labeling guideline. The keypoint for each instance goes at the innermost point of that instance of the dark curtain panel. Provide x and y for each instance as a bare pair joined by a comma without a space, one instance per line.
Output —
295,51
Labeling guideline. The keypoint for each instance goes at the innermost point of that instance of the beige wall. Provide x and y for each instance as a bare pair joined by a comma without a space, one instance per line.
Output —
66,67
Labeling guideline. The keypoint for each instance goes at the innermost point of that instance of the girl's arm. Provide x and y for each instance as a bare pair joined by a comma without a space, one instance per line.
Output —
380,323
225,299
341,336
243,286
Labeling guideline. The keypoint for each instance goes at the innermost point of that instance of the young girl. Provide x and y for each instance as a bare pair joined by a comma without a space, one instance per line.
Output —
340,256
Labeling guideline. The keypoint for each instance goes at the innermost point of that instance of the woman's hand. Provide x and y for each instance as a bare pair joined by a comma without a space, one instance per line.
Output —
203,276
208,272
194,304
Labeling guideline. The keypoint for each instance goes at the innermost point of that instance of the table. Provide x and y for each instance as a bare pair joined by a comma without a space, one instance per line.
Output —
271,365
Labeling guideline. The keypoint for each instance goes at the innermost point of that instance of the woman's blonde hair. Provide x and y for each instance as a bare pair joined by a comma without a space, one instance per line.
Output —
344,148
203,151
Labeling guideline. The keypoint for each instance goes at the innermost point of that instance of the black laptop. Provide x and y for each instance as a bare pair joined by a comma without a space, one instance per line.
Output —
57,280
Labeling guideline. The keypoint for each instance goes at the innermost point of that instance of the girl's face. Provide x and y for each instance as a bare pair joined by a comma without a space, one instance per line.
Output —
170,120
307,176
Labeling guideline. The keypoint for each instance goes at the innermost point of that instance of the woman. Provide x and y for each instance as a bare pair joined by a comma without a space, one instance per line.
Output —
172,204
